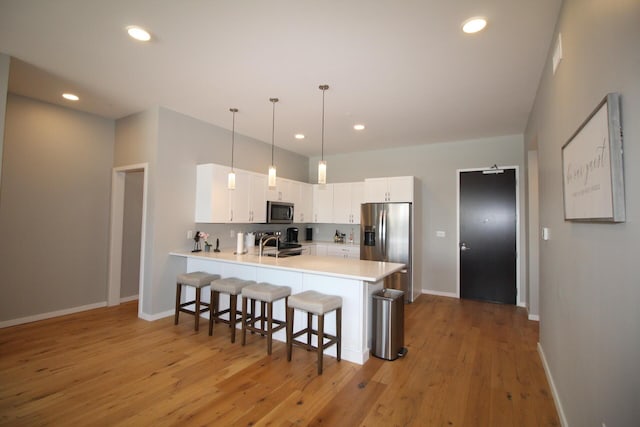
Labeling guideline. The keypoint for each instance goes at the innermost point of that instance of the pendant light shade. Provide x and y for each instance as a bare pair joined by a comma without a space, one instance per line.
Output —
272,167
231,180
322,165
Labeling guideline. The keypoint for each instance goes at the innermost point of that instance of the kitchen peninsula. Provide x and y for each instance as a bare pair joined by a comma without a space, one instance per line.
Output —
354,280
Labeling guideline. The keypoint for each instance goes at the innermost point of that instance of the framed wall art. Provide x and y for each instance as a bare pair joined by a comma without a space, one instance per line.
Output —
592,167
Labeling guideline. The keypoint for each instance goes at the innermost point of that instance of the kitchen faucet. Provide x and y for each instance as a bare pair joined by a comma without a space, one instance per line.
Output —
265,238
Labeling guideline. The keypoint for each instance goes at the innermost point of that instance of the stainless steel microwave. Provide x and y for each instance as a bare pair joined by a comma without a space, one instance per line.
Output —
279,213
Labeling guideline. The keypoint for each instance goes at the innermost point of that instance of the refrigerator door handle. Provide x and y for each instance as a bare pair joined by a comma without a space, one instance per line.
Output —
383,233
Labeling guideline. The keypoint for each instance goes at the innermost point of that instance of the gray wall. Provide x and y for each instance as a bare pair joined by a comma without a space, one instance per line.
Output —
435,167
136,139
4,84
173,150
54,208
589,274
131,231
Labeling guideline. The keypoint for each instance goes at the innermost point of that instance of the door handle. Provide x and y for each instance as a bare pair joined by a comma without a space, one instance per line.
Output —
464,247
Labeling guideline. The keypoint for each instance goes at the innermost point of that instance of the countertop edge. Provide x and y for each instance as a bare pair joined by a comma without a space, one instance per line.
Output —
271,263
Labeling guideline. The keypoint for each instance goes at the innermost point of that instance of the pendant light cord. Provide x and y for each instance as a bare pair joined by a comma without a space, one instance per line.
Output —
323,88
233,133
273,126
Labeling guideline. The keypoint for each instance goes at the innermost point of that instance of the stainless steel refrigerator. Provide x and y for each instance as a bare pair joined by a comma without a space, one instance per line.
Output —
385,235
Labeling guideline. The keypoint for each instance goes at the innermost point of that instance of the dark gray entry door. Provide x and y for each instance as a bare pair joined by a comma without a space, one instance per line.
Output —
488,236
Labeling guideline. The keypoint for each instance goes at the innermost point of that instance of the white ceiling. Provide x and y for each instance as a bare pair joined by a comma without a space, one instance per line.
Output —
403,68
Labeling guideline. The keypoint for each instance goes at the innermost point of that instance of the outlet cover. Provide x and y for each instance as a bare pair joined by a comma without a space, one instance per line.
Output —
440,233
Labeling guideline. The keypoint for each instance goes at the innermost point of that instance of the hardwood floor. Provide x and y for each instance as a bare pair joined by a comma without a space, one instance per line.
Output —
469,364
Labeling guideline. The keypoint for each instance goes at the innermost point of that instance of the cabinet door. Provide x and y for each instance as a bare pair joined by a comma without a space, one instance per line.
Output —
282,192
394,189
240,211
258,198
212,196
323,203
400,189
301,197
354,252
375,190
342,203
305,212
357,198
321,250
347,198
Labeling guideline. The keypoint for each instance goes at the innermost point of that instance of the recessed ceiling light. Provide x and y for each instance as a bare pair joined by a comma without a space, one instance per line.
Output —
70,96
299,136
138,33
473,25
358,127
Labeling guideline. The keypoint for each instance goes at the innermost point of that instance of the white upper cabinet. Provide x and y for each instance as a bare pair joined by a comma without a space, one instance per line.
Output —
215,203
258,198
282,192
347,198
322,203
212,197
329,203
302,199
392,189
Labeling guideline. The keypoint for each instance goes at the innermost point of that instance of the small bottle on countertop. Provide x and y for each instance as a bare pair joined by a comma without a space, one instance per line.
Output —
351,236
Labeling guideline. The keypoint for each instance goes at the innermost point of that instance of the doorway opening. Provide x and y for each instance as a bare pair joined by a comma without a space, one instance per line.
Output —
488,235
132,179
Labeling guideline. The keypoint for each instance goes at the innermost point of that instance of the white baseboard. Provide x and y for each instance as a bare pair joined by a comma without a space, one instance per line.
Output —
534,317
439,293
42,316
554,391
522,304
157,316
127,299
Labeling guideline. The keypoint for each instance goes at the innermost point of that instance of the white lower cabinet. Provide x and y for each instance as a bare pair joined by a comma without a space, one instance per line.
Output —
320,250
350,252
340,251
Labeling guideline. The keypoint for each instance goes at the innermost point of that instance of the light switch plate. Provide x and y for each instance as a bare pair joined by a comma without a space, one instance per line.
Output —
440,233
546,233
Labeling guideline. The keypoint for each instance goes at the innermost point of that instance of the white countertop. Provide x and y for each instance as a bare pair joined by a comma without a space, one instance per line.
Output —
368,271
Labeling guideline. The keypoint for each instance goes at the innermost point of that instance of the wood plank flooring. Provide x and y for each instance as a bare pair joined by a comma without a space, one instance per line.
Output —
469,364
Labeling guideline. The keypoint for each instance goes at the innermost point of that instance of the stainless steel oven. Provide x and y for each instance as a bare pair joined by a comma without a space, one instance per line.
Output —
279,212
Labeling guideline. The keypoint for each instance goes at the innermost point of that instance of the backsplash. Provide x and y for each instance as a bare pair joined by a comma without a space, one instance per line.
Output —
227,232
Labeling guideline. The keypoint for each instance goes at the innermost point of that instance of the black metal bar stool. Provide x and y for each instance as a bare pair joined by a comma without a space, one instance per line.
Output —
267,294
198,280
233,287
313,302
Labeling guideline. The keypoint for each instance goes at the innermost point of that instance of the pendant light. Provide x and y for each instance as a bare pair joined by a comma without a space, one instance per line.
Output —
322,165
231,181
272,167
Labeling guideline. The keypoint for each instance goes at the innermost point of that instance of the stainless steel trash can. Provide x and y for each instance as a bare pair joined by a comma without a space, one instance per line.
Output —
388,324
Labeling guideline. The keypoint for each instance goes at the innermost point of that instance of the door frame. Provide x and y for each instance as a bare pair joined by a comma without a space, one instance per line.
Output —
519,295
116,227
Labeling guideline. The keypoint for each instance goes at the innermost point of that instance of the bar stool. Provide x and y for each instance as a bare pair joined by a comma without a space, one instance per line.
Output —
319,304
267,294
198,280
231,286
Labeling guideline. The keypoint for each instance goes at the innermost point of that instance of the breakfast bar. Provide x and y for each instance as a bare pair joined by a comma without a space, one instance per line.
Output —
353,280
